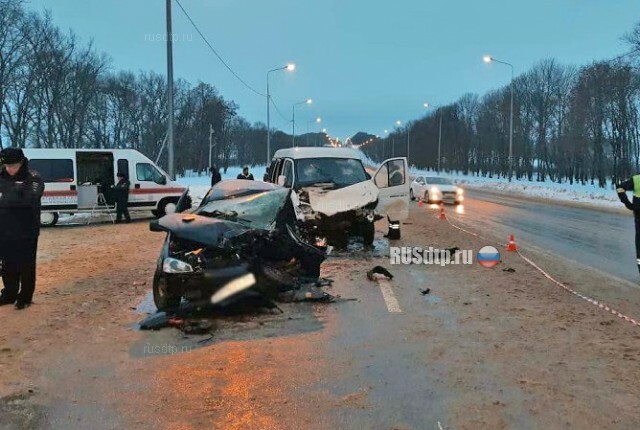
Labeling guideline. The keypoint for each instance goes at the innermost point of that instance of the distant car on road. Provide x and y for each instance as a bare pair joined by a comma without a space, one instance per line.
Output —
434,189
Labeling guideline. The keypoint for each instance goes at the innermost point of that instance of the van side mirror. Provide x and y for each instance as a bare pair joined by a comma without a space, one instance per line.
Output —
282,180
162,180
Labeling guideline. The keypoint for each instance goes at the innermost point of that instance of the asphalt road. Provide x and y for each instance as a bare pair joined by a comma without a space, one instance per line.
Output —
594,238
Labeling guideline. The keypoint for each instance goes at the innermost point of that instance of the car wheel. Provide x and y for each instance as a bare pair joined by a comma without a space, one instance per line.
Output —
165,206
48,219
162,299
411,196
426,197
368,232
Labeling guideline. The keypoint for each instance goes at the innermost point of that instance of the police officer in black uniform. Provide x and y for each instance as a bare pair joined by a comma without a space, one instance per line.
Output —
20,194
632,184
121,194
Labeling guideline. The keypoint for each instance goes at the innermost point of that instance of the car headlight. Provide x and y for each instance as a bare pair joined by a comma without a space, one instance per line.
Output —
435,190
173,265
459,191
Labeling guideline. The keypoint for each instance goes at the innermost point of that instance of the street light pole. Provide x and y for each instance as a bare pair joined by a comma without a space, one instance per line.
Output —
490,59
293,140
291,68
439,111
171,161
439,142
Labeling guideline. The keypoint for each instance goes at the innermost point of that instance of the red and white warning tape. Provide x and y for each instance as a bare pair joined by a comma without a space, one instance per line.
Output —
595,302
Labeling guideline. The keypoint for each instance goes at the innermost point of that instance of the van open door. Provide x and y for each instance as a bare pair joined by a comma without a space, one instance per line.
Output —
392,179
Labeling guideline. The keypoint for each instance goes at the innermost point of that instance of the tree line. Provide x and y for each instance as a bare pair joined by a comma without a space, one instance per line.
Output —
574,124
56,92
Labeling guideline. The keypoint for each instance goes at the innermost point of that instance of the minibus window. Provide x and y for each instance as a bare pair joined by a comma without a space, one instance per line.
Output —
123,166
53,170
147,172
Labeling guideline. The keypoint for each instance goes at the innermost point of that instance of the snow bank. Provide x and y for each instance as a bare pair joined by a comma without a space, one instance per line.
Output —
200,184
566,192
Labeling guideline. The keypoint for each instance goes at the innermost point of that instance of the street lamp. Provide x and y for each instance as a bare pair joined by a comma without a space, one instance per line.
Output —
308,102
290,68
490,59
399,124
318,121
427,105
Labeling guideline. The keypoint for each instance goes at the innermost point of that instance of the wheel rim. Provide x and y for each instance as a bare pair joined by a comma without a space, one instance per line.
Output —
170,208
47,218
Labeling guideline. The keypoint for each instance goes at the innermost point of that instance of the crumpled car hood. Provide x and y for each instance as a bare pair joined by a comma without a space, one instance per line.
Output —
201,229
331,202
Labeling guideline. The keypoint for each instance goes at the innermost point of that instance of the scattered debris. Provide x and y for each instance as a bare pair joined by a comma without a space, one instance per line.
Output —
425,291
155,322
509,269
378,270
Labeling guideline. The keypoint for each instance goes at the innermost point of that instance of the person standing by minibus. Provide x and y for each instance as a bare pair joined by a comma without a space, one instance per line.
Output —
20,194
121,194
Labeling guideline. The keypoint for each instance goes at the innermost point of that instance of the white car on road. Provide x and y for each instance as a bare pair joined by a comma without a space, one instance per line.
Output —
434,189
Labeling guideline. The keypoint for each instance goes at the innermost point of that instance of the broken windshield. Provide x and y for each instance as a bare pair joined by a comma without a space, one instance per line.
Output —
339,171
257,210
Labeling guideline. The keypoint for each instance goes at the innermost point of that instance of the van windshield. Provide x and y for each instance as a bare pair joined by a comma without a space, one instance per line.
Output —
341,172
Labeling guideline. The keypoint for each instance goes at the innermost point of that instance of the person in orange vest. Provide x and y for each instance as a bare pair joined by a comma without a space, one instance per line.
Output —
632,184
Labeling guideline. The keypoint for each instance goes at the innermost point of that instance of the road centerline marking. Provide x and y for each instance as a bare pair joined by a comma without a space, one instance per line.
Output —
389,297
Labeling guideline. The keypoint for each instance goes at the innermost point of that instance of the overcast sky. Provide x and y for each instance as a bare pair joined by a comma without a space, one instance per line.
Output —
365,63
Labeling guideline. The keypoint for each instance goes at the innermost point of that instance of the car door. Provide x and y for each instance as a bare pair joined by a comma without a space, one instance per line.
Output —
417,187
393,183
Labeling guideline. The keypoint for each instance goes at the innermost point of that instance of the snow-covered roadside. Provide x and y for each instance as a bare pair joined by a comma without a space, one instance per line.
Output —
199,185
564,192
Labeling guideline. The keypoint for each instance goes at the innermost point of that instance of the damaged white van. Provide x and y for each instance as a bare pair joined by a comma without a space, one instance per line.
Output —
75,179
333,191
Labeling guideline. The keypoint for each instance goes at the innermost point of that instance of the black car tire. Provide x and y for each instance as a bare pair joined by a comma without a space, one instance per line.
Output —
53,220
162,207
411,196
161,299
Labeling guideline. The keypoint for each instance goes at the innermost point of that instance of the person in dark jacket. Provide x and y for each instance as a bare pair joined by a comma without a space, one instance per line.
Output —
20,194
121,195
245,174
632,184
215,175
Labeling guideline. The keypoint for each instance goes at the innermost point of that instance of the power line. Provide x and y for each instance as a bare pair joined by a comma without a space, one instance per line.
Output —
621,56
273,102
216,53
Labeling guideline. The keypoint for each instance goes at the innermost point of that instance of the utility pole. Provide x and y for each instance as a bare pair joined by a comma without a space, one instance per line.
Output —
170,91
393,147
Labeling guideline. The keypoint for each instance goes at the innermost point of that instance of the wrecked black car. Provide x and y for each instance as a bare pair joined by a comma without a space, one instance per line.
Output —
241,240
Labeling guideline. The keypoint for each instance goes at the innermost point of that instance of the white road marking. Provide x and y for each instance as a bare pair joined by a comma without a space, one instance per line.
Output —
439,426
389,298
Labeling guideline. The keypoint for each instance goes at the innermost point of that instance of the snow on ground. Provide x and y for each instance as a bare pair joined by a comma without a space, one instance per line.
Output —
200,184
566,192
